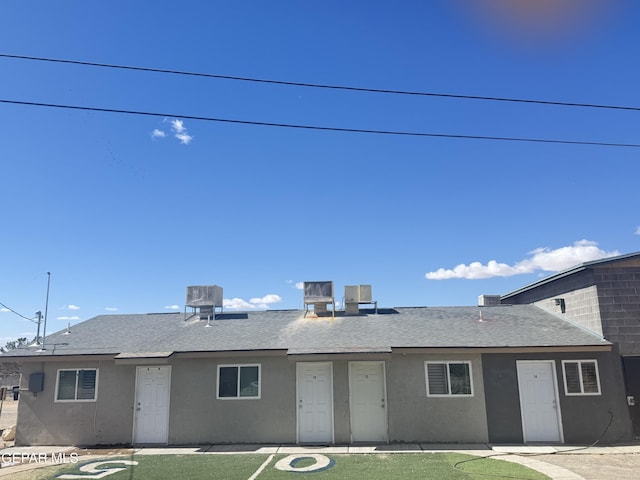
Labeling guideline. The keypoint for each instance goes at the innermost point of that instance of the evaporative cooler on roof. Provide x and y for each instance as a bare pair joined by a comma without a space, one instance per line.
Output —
319,294
355,295
204,298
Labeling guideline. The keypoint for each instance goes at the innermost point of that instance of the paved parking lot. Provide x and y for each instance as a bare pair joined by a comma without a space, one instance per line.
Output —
618,466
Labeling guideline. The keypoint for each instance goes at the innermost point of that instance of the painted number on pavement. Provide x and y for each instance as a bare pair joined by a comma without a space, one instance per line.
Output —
98,469
288,464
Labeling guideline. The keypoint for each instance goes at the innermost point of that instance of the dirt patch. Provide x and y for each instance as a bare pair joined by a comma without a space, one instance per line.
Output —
596,467
8,418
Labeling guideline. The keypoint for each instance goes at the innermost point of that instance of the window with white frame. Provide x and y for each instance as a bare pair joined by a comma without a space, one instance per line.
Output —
77,385
238,381
581,377
448,379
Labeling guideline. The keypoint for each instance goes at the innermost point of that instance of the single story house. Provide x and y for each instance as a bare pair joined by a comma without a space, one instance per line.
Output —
498,374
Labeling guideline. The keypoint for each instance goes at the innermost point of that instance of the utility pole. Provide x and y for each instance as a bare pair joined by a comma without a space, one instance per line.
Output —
39,315
46,309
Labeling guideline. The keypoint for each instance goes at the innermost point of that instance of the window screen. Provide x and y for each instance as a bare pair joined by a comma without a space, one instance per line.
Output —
449,378
77,384
437,374
589,377
572,378
581,377
86,385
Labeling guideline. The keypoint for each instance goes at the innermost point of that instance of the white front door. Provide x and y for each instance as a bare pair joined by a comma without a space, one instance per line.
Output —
151,416
368,402
315,402
539,401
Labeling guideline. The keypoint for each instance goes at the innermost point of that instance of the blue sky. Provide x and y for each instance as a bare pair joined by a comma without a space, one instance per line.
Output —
125,211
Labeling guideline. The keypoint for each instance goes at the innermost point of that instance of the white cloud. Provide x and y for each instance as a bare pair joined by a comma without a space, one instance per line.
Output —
179,131
236,304
300,285
256,302
73,307
111,309
172,307
543,259
271,298
178,126
265,301
68,318
638,231
184,138
4,309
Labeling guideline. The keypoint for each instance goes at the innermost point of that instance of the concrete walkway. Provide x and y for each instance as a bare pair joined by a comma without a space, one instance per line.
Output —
522,454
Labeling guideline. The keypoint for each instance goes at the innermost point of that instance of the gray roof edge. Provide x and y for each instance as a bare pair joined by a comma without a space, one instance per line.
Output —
48,354
569,271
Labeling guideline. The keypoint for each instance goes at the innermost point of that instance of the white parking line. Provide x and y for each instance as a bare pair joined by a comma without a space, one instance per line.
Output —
262,467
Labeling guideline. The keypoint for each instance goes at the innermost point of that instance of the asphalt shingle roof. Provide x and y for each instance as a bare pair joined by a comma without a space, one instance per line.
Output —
430,327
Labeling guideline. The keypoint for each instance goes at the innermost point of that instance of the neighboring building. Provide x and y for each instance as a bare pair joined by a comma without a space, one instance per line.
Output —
500,374
603,296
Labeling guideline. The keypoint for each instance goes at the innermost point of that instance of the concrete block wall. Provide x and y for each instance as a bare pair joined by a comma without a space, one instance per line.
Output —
619,300
581,306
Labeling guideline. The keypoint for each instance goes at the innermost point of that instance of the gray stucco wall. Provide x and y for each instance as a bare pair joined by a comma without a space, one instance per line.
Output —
502,399
272,418
585,419
415,417
41,421
341,409
197,416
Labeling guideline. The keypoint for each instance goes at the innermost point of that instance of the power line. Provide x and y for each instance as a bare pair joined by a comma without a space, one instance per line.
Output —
19,314
321,128
332,87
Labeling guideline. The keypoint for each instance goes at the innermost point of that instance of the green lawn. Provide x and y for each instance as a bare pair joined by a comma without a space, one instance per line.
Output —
423,466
